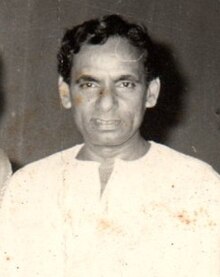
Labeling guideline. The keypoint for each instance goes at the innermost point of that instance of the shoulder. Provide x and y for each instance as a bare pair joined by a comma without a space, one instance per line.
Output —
186,181
53,163
185,170
42,175
58,158
179,161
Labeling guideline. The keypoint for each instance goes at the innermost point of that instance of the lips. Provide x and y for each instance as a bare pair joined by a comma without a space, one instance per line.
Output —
103,124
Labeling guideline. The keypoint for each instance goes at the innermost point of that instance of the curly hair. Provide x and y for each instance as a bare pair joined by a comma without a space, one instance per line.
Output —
97,31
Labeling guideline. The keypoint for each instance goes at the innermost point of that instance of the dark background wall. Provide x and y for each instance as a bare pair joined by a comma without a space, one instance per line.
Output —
32,122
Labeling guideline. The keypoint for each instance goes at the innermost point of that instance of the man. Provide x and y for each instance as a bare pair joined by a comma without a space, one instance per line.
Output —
116,205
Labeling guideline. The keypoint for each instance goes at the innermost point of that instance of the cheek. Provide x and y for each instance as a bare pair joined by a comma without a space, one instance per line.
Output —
139,107
81,107
136,114
82,110
78,100
135,108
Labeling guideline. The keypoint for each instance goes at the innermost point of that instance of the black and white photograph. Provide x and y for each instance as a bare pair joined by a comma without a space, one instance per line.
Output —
109,138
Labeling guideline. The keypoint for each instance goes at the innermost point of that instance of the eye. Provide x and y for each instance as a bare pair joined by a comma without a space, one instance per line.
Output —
87,85
126,84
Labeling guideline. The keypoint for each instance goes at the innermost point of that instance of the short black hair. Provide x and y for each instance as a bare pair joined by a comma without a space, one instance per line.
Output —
97,31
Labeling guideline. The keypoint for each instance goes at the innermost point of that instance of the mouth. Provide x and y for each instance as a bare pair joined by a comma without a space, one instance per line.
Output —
106,125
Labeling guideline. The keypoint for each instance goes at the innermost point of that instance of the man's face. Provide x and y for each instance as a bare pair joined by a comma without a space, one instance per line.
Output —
108,90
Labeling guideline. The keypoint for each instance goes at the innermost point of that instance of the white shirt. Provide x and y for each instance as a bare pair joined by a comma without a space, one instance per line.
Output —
158,217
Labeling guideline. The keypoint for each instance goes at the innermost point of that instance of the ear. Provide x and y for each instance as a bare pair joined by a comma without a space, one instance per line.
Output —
64,92
153,91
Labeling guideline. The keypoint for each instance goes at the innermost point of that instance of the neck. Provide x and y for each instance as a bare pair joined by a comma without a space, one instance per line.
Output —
133,149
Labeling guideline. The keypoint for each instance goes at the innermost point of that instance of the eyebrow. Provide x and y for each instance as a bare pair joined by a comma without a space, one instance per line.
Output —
87,78
127,77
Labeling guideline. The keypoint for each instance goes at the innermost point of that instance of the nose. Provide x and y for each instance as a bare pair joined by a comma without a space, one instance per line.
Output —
106,100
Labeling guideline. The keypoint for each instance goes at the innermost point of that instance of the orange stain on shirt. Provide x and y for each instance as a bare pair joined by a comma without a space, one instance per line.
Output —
185,218
200,217
107,225
104,224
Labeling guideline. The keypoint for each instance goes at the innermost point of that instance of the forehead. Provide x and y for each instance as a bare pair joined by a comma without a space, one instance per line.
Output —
114,55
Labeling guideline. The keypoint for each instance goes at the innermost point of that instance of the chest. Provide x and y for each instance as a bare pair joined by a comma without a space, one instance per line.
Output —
140,226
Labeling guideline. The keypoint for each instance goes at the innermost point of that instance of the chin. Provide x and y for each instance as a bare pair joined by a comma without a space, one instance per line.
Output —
109,140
